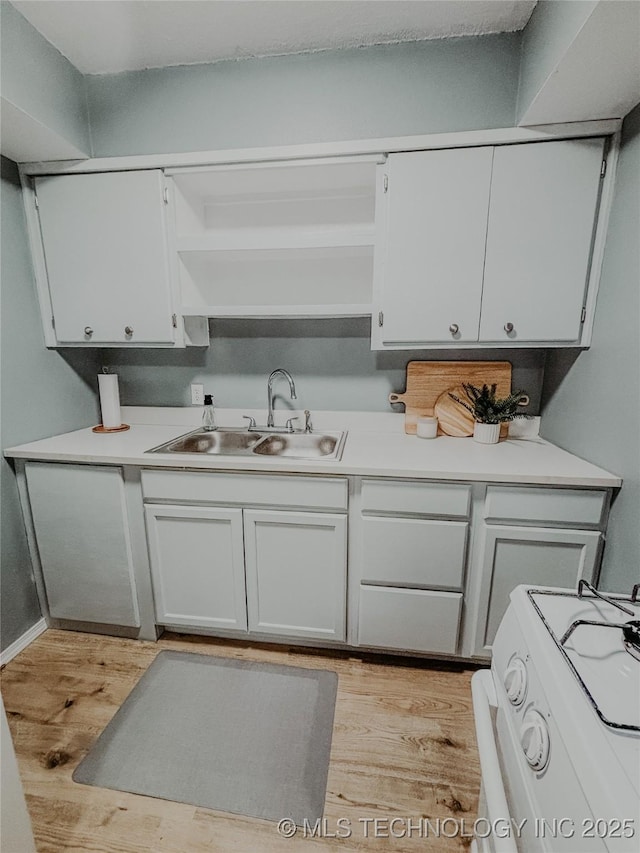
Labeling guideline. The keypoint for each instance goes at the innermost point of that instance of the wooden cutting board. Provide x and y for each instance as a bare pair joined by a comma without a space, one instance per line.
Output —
453,418
427,380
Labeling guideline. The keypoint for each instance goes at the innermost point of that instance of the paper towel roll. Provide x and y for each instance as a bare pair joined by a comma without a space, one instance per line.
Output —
109,400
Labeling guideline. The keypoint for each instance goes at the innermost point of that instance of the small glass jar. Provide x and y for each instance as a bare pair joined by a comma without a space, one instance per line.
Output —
426,427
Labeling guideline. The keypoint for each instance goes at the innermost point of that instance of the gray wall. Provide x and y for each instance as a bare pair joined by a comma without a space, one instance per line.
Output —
388,90
43,393
592,401
545,40
40,81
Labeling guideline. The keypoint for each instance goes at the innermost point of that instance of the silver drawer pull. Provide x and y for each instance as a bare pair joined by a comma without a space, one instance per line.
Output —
128,330
508,327
453,328
88,331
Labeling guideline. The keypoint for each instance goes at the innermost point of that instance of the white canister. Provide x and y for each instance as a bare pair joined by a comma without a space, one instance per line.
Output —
109,400
426,427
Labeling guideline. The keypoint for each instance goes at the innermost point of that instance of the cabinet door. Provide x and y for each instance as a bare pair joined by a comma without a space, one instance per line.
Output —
544,198
529,555
79,515
197,566
106,257
296,565
429,267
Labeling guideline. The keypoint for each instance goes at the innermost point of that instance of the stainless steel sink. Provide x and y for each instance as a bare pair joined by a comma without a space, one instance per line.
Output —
301,445
218,442
242,442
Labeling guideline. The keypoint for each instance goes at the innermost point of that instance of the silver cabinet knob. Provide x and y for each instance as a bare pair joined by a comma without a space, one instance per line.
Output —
128,331
508,327
88,331
453,328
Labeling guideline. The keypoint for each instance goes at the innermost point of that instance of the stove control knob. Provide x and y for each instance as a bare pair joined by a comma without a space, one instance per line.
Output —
515,681
534,740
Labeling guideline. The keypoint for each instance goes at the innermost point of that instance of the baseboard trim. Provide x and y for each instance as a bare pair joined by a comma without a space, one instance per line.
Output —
22,642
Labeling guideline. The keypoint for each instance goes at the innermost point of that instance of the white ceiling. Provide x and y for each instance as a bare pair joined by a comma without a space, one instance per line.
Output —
109,36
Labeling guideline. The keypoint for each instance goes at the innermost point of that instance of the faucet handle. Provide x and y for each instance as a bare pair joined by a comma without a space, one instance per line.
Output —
252,421
289,424
308,426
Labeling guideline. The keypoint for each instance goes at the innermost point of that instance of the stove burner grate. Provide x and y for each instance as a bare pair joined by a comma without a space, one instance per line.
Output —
630,639
630,633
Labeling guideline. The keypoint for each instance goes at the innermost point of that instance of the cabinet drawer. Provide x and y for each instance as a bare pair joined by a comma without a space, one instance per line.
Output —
414,552
406,496
328,493
581,507
412,620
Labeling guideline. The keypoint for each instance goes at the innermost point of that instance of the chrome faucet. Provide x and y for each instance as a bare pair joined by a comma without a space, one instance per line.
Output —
292,388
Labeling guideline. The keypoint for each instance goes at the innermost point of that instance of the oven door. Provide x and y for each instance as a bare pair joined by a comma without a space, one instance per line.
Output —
495,830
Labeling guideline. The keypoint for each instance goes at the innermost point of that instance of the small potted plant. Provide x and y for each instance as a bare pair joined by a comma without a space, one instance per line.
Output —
489,411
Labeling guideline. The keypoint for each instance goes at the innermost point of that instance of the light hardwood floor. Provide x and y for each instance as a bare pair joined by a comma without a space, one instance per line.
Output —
403,748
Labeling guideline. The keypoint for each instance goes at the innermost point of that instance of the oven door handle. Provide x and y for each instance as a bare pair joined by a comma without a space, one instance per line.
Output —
484,697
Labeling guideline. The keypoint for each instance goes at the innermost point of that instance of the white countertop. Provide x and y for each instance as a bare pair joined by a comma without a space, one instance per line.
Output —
376,445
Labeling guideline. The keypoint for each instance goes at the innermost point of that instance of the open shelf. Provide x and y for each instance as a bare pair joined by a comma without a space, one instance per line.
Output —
278,279
276,239
278,312
249,240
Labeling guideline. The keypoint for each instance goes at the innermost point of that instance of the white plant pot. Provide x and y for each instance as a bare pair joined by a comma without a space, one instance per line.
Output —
486,433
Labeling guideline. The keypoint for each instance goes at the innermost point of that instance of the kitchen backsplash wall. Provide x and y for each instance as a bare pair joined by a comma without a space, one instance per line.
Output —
331,362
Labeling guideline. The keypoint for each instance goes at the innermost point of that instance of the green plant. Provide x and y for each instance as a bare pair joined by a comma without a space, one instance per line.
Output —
486,408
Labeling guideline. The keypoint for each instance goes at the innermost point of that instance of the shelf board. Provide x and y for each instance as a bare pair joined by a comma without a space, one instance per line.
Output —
278,311
278,240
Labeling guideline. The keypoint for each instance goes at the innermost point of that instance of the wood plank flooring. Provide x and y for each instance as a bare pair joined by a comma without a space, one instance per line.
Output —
403,751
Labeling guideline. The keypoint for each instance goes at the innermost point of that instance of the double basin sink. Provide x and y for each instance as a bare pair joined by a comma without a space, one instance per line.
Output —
242,442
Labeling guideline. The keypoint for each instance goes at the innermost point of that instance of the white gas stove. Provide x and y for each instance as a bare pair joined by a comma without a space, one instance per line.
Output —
558,725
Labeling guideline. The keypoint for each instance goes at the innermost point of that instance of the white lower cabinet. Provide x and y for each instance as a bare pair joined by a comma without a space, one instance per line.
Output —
533,535
197,566
83,542
269,570
532,555
296,564
431,565
413,555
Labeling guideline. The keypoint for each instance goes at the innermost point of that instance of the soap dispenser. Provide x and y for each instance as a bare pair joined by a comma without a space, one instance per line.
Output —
208,415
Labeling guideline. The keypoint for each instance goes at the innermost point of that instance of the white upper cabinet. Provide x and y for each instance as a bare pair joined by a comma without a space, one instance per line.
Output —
432,242
541,222
284,239
487,246
105,258
495,245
